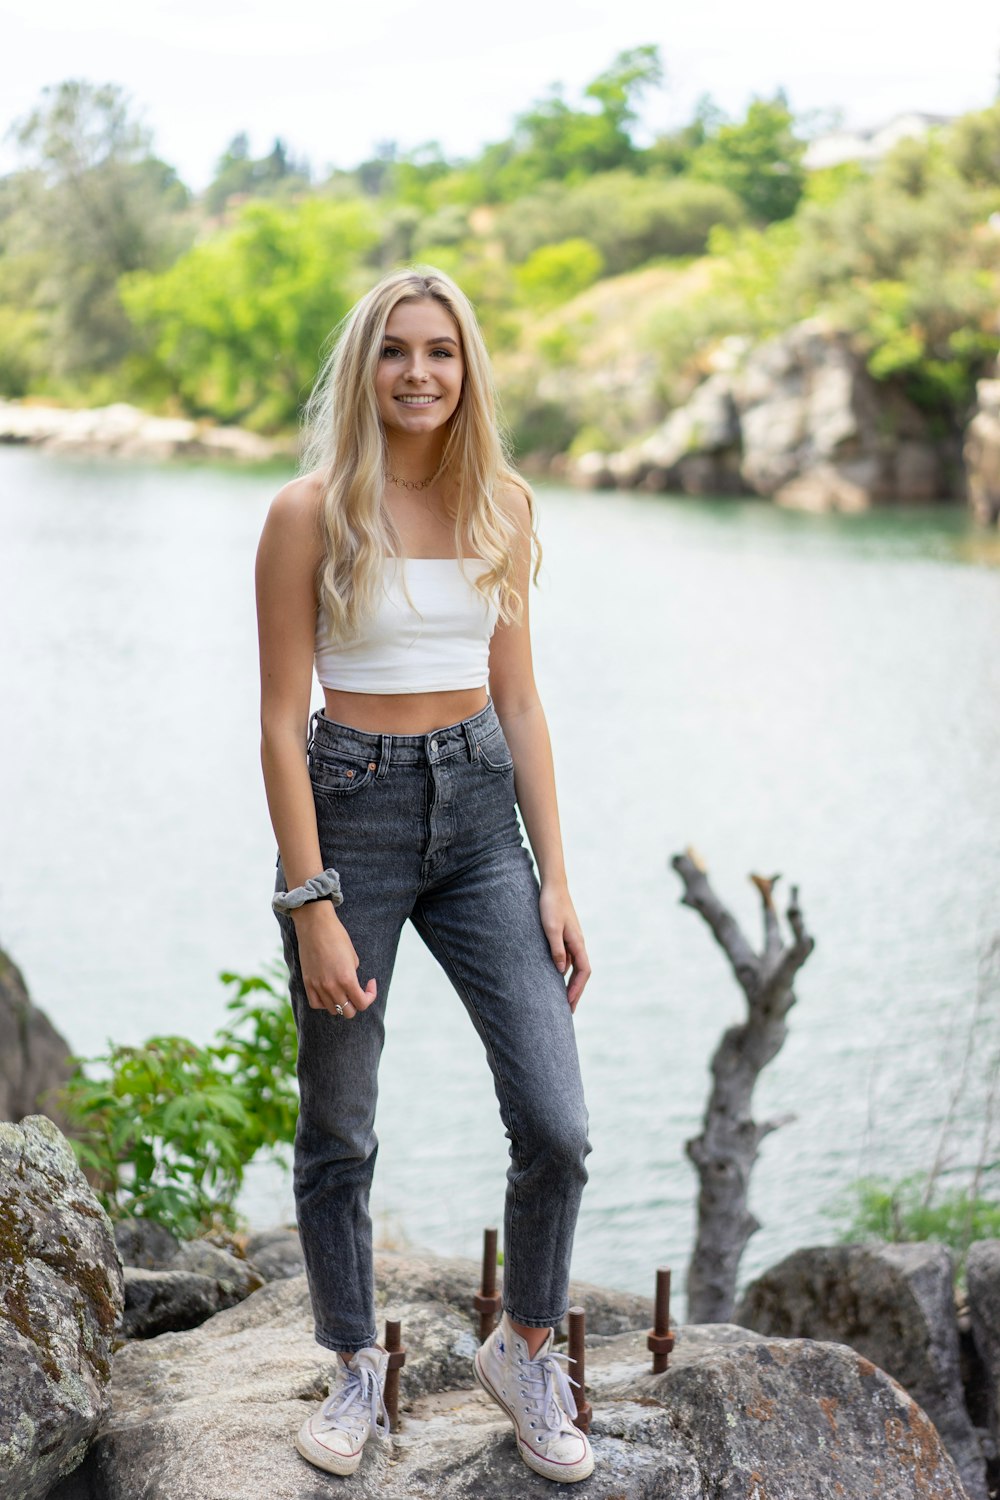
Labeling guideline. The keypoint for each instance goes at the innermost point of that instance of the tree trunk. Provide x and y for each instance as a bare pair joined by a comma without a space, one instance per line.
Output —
724,1154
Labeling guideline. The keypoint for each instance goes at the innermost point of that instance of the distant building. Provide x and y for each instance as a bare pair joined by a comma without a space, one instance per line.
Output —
870,145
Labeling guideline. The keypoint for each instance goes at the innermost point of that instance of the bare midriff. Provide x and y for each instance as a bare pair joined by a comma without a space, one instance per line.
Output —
403,713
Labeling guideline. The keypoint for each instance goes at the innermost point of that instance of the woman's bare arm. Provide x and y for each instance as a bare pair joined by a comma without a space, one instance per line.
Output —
288,558
519,709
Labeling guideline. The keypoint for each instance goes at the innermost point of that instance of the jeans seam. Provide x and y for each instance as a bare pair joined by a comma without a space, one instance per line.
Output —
458,982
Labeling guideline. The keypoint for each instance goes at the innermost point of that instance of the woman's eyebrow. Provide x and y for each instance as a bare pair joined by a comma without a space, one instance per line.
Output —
444,338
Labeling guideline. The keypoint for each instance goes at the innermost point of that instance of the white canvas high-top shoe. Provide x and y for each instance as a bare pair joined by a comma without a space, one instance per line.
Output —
536,1395
334,1436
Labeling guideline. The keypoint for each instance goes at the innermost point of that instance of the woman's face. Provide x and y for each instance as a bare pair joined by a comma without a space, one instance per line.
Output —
420,371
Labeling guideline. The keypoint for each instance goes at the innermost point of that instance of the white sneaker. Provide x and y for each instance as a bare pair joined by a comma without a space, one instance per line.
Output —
535,1394
334,1436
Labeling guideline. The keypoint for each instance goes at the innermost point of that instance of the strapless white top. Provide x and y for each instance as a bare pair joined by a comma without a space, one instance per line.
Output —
445,645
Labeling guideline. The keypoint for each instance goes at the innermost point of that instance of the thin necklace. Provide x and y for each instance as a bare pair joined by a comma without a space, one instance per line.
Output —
414,484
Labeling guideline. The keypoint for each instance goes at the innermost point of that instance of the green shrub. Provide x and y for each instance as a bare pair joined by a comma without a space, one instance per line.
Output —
165,1130
899,1212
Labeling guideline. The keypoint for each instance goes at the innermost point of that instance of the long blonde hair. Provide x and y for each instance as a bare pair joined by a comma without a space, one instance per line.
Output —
344,439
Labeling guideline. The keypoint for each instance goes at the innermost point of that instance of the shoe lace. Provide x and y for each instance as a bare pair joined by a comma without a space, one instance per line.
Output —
548,1388
357,1401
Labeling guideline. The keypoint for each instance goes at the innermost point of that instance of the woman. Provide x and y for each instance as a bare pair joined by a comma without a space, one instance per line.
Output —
399,564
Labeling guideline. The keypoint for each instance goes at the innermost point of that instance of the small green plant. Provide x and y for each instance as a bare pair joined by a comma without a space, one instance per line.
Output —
877,1209
165,1130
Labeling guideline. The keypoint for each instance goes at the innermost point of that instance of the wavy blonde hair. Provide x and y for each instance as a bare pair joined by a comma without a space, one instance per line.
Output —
345,441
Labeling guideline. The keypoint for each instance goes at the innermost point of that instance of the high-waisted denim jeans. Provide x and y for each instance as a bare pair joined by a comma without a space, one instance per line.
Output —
424,827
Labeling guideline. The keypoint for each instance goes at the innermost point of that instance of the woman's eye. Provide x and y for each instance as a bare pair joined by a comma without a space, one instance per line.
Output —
389,349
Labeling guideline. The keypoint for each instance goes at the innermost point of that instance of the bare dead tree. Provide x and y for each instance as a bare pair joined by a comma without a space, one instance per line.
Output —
724,1154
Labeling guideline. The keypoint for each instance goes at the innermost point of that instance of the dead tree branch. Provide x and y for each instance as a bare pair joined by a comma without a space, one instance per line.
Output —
725,1152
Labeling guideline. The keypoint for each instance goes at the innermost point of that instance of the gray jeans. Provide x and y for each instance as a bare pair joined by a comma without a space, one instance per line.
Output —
424,827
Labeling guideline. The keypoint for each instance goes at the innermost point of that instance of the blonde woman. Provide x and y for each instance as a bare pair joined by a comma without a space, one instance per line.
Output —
399,566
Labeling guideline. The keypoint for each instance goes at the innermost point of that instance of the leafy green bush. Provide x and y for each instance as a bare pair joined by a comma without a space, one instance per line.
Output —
165,1130
897,1212
555,273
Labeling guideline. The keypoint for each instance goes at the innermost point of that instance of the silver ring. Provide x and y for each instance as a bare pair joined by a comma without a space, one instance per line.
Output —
338,1010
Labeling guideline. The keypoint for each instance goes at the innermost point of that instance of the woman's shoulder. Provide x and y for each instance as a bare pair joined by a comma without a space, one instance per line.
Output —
296,509
512,496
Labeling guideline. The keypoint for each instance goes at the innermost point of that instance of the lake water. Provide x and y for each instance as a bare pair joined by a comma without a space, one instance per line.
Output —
811,695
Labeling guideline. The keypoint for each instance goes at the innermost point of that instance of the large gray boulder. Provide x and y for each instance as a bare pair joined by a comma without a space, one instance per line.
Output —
60,1301
212,1413
982,1271
34,1059
198,1280
895,1305
797,418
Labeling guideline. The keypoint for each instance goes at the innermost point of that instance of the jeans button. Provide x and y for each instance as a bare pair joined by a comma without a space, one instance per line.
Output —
434,744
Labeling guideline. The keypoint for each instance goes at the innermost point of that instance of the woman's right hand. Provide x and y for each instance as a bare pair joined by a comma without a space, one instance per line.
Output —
329,962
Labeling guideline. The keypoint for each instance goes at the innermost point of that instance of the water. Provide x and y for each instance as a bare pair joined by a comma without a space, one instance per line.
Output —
811,695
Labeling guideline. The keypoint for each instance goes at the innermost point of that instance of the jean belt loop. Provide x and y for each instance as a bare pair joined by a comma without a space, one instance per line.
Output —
385,755
312,731
470,739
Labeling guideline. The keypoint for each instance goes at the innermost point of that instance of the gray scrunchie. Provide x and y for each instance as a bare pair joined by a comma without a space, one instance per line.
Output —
318,888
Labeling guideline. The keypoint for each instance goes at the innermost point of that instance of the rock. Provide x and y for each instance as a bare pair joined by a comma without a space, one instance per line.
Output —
894,1304
60,1301
982,1271
798,418
982,453
200,1280
212,1413
809,411
276,1253
236,1278
34,1059
143,1242
127,432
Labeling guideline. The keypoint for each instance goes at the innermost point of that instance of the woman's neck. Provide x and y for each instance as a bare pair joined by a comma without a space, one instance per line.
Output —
415,456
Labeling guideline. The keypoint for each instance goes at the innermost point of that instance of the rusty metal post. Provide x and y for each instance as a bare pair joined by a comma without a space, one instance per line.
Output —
660,1340
578,1370
397,1358
487,1300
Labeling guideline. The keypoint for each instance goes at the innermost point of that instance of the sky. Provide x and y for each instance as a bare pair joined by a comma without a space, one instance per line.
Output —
333,79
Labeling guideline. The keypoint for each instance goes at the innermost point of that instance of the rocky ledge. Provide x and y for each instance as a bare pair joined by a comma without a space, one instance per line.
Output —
127,432
797,419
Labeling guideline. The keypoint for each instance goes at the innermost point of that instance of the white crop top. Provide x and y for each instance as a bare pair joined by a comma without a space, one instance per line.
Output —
442,647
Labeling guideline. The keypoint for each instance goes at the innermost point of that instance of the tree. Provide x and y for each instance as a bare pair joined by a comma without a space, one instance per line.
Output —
238,174
234,329
554,140
93,203
760,160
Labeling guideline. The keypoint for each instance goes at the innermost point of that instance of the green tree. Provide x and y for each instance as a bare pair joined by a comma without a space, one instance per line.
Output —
238,174
555,273
235,327
760,160
555,141
93,202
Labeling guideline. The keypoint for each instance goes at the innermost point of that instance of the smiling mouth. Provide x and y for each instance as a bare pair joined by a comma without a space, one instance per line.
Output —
418,400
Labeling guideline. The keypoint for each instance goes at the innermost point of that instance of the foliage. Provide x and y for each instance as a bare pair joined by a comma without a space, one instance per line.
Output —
555,273
91,204
553,141
897,1212
758,160
630,219
166,1129
237,173
236,325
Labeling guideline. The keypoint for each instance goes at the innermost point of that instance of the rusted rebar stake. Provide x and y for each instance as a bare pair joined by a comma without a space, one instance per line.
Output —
397,1359
578,1367
660,1340
487,1300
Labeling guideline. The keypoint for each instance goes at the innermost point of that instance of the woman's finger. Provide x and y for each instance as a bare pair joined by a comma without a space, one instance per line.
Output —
557,946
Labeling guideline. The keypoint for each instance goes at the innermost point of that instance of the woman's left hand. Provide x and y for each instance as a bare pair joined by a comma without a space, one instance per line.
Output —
569,952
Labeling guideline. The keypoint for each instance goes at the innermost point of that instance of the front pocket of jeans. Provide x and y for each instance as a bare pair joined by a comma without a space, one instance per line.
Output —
338,778
494,752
